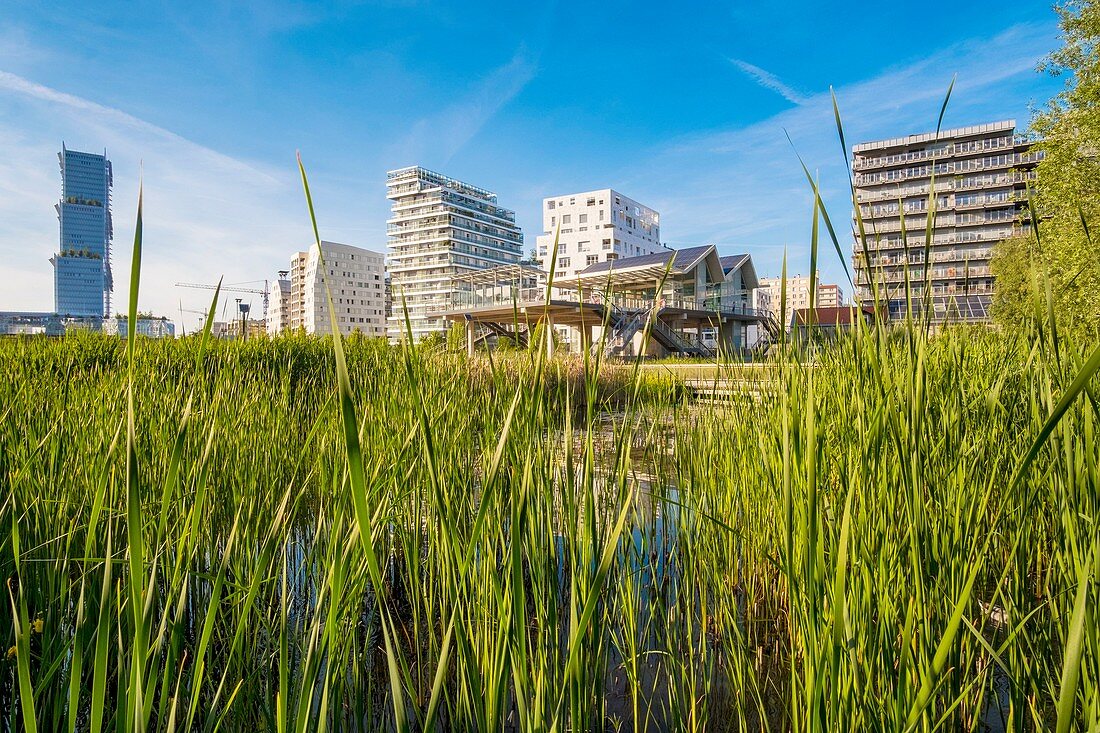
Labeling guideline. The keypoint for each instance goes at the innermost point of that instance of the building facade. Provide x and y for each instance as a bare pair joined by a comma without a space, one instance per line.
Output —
82,265
147,326
980,175
355,279
441,227
830,296
278,309
596,226
798,294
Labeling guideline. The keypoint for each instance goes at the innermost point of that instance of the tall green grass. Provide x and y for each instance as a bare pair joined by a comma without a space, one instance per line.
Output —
890,533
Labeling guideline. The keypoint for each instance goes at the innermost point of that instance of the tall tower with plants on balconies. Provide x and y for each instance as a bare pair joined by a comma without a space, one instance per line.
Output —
82,265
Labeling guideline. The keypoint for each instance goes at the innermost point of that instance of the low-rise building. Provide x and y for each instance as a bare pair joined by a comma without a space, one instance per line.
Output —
689,301
827,323
149,326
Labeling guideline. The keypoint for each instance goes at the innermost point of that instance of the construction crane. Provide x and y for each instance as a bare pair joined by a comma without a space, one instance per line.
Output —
232,289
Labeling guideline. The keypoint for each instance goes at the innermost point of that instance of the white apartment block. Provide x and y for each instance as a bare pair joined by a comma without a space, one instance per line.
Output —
798,295
596,226
980,174
441,227
278,306
355,279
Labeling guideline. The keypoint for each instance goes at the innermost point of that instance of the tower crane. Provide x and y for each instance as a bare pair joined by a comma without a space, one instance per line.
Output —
232,289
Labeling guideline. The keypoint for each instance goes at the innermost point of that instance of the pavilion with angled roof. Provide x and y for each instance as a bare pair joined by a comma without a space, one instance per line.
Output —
681,302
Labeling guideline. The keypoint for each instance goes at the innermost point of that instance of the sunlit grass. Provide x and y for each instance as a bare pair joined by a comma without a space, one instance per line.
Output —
887,533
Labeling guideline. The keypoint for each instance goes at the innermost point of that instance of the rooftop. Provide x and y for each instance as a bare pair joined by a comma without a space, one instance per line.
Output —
831,316
438,179
682,260
927,137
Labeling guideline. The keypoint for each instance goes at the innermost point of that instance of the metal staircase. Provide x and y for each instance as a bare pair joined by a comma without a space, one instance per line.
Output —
517,337
625,323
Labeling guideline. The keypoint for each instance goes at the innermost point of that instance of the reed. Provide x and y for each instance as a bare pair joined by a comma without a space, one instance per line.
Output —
890,532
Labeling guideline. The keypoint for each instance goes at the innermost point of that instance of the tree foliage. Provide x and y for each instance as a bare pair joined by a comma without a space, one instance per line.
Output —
1067,194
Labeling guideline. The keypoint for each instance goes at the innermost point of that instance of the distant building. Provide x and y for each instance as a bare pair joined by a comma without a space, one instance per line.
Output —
981,176
441,228
148,326
829,296
256,327
798,294
25,323
278,309
82,265
595,226
356,282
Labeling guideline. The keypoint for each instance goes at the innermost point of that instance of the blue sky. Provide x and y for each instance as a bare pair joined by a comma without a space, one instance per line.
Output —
681,106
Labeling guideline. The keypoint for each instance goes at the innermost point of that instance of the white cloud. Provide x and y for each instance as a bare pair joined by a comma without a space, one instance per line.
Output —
769,80
206,214
440,136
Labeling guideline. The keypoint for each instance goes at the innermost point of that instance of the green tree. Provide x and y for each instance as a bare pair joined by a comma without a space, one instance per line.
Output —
1014,266
1067,194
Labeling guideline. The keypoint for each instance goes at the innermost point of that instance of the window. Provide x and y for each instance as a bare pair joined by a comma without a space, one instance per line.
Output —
591,202
582,219
591,259
612,256
566,219
607,244
563,262
601,214
550,205
582,246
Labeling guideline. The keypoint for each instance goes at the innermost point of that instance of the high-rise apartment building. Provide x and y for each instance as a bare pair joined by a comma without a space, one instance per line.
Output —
441,227
82,265
798,294
980,177
829,296
355,279
596,226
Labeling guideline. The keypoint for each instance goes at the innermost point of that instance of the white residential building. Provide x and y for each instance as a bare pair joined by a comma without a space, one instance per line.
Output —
596,226
355,279
278,308
441,227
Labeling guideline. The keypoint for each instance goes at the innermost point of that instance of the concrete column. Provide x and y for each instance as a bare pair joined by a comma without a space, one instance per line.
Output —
470,339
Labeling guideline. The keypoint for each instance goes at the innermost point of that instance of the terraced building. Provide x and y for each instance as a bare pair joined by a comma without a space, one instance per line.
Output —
441,228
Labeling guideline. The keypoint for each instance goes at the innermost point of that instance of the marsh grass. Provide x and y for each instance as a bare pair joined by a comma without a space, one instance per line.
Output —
890,532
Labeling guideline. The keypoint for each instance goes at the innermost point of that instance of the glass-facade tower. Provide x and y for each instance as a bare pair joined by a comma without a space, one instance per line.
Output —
82,265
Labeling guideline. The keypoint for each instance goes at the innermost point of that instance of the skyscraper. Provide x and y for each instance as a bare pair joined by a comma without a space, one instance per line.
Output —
981,176
82,265
441,227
